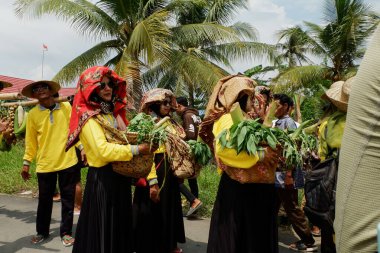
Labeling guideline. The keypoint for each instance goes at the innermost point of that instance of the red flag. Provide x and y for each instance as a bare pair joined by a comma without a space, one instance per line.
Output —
44,47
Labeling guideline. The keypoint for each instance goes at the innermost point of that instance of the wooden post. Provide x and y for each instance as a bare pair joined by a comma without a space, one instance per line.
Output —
10,96
32,102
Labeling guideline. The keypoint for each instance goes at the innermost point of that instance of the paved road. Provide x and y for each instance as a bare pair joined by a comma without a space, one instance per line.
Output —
17,225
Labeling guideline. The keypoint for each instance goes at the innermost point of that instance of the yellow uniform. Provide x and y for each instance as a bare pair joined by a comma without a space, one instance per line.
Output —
46,137
229,156
99,151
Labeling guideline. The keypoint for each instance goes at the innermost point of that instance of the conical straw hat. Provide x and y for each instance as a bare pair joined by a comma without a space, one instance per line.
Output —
339,93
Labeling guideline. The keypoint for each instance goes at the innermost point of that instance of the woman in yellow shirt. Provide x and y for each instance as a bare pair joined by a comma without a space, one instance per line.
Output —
244,214
105,222
158,222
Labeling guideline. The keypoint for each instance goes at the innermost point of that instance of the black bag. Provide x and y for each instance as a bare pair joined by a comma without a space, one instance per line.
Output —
320,187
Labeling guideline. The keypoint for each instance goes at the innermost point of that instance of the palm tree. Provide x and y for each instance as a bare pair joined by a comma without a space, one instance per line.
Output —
295,46
340,43
203,46
133,34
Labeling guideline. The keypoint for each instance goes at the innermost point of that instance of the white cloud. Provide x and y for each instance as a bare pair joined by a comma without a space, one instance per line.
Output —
22,39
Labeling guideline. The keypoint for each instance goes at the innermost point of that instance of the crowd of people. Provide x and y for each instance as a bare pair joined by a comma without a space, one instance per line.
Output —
113,218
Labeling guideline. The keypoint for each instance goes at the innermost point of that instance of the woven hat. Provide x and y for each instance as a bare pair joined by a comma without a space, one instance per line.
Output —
157,95
4,84
27,90
339,93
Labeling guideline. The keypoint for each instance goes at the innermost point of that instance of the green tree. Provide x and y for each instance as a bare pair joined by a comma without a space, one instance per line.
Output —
340,43
132,34
203,46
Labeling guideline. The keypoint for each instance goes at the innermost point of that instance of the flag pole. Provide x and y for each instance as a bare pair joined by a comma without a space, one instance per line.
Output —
44,48
43,56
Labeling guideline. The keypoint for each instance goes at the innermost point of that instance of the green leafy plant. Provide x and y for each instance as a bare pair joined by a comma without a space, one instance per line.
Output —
251,136
201,152
142,124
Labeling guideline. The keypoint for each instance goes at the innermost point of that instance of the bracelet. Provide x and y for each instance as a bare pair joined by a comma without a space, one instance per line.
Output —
135,149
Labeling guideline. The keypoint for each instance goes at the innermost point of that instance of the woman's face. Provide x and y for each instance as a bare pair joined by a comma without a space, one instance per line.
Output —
105,89
165,107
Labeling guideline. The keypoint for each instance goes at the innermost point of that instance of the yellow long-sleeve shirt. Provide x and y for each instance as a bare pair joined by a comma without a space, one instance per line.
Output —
98,150
332,138
229,156
153,175
46,137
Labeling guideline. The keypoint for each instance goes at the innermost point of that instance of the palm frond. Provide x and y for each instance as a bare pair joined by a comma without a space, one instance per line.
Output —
245,50
94,56
150,38
296,77
222,11
245,31
82,15
203,34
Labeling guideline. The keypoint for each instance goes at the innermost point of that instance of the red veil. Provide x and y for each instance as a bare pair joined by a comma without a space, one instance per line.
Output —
84,108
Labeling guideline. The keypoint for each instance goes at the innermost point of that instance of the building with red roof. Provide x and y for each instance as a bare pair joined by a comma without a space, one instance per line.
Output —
18,84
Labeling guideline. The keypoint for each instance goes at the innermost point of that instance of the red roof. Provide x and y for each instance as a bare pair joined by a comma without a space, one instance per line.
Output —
19,84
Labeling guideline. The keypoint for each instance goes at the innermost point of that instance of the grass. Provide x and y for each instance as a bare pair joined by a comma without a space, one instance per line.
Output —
11,181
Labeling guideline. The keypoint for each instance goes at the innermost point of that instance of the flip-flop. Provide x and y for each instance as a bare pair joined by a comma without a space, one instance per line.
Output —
193,209
67,240
37,239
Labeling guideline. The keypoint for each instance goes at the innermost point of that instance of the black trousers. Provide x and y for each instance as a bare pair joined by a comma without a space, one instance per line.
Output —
327,239
289,199
46,188
193,193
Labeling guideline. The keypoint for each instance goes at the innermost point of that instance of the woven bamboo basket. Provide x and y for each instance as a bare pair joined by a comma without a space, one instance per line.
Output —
139,166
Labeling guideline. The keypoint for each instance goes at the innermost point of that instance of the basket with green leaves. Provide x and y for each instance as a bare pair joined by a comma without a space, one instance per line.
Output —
140,129
251,136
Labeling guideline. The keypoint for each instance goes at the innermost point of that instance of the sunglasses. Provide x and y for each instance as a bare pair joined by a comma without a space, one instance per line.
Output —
38,88
111,85
166,103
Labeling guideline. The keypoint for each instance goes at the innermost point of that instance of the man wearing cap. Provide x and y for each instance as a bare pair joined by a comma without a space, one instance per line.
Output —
6,133
45,141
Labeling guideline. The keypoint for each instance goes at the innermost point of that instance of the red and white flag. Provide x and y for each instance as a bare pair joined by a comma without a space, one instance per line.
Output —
44,47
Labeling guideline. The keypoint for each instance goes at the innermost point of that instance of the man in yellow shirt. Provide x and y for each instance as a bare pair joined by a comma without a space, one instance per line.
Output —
45,141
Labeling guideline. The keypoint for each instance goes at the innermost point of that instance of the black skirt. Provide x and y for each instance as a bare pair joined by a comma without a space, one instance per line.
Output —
158,227
105,221
243,218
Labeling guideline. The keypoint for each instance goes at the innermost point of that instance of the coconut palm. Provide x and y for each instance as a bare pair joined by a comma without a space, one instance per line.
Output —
132,34
339,43
203,47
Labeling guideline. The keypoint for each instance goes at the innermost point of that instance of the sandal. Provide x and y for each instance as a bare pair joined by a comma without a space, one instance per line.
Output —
38,238
67,240
300,246
177,250
193,209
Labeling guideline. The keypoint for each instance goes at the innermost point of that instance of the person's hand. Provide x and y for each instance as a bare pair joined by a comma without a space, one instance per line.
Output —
154,193
144,148
4,123
25,172
83,157
260,108
271,157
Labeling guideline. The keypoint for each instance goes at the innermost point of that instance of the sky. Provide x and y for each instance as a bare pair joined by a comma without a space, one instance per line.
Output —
22,39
